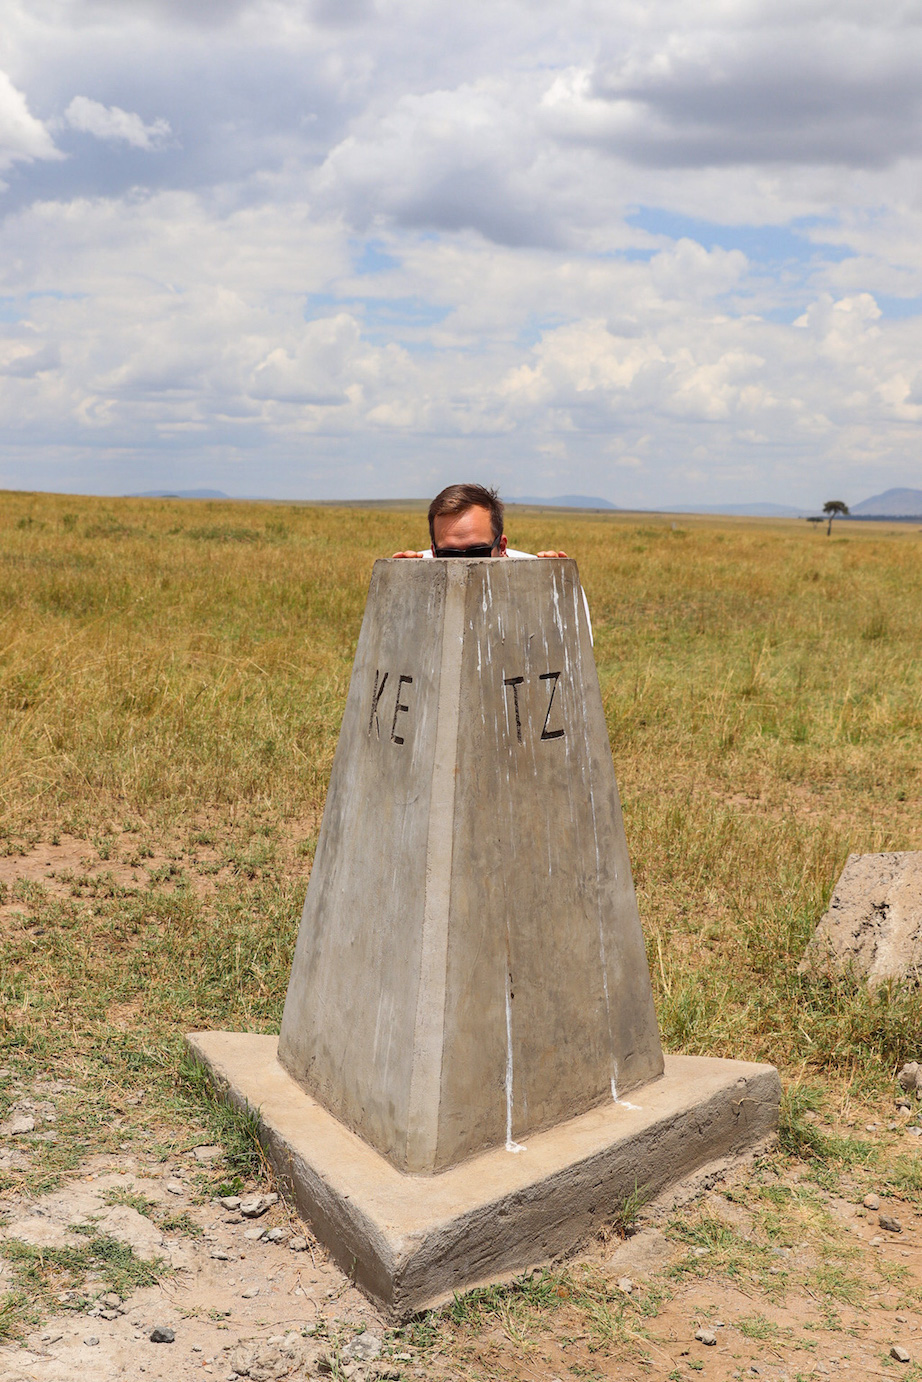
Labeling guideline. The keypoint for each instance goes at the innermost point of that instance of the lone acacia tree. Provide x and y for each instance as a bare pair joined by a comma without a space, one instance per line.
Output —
832,508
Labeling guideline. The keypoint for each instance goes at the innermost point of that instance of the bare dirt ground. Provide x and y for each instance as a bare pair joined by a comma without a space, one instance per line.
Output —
239,1304
781,1273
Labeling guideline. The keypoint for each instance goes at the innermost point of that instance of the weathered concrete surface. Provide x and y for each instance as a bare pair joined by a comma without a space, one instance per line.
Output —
873,926
411,1241
470,967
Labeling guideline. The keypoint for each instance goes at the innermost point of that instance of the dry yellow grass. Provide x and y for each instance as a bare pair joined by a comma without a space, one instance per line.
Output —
172,677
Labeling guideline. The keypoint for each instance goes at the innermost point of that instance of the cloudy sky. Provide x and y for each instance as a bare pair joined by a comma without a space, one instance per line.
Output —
661,251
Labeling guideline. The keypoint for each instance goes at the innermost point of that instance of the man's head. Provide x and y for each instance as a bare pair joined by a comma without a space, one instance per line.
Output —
467,516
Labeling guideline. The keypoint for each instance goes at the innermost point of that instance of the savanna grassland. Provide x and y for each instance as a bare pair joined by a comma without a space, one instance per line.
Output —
172,676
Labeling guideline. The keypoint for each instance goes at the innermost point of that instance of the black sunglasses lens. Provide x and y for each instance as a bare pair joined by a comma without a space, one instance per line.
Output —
481,550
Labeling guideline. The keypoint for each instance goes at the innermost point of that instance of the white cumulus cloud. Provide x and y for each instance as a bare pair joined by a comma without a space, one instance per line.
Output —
111,122
22,136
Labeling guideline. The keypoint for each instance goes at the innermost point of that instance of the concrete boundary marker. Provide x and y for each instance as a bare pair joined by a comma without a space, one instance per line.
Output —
411,1242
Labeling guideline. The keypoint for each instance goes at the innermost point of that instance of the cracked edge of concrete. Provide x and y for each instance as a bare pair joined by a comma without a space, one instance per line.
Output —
412,1242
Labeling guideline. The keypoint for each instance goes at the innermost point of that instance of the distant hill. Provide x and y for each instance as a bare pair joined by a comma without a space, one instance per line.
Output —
893,503
180,494
564,501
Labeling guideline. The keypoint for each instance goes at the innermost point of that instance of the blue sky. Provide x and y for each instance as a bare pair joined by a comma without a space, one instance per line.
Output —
662,253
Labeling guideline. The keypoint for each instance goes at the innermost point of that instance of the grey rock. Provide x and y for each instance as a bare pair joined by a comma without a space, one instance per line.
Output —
255,1205
160,1334
19,1124
253,1235
250,1293
277,1235
625,1284
111,1300
888,1222
298,1244
910,1077
871,1202
900,1354
230,1202
275,1359
222,1255
208,1154
914,1132
706,1337
91,1341
363,1348
873,927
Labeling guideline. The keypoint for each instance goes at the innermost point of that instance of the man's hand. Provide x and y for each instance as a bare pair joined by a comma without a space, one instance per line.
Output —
408,554
551,554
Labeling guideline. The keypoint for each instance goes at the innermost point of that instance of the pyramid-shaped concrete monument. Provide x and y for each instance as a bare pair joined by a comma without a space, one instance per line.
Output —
469,1078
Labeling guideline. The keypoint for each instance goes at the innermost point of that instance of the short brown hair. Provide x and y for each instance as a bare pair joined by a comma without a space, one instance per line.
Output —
459,498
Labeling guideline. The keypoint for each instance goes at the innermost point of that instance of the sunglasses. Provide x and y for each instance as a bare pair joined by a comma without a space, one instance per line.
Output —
481,549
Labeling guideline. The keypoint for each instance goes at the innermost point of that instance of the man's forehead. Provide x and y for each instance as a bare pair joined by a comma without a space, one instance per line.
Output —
473,513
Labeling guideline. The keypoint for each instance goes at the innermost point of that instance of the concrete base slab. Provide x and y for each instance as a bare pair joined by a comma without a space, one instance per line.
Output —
411,1242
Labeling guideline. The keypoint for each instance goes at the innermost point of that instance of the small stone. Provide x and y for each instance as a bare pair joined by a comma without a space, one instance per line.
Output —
888,1222
892,1127
250,1293
221,1255
910,1077
871,1127
91,1341
875,1242
255,1205
706,1337
363,1348
160,1334
277,1235
899,1353
298,1244
914,1132
175,1187
229,1202
206,1154
111,1300
871,1202
625,1284
254,1234
700,1252
19,1124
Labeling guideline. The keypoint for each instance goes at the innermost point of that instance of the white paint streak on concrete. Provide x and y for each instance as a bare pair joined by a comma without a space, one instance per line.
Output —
511,1146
